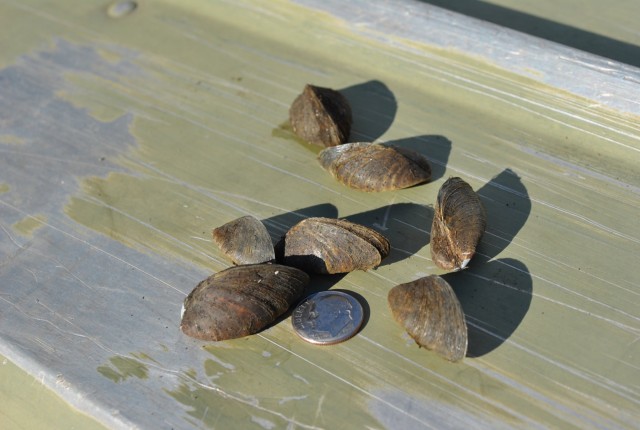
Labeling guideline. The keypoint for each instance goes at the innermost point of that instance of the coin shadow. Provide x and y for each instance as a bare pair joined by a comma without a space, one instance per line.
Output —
495,297
435,147
406,225
507,204
373,107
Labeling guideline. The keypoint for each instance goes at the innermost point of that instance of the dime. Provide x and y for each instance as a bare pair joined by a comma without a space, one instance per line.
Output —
327,317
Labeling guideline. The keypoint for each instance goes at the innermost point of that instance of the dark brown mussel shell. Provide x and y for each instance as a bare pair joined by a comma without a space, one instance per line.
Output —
241,300
375,167
430,312
321,116
245,241
458,224
327,246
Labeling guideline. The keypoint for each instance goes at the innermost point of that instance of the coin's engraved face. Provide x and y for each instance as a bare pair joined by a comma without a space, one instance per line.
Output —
327,317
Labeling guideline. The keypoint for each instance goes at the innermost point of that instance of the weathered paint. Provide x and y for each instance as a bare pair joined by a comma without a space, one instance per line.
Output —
28,225
159,126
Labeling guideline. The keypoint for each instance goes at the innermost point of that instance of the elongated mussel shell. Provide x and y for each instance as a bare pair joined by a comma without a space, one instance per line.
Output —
321,116
458,224
327,246
241,300
245,241
375,167
430,312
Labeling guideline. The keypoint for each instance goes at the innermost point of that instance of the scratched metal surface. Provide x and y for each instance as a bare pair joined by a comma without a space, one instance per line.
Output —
126,138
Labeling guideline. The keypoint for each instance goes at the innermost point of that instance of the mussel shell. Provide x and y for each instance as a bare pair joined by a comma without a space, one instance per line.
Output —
241,300
321,116
245,241
327,246
430,312
458,224
375,167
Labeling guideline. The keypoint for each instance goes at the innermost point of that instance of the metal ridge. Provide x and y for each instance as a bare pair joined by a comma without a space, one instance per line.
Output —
604,81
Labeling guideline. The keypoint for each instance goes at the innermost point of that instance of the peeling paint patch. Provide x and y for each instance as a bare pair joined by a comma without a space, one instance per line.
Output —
10,139
121,368
28,225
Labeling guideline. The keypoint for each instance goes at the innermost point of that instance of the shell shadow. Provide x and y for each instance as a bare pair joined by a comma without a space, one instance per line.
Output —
373,107
278,225
495,298
406,225
435,147
508,206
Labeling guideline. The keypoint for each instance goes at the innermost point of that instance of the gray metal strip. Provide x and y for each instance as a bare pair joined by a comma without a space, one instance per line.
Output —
606,82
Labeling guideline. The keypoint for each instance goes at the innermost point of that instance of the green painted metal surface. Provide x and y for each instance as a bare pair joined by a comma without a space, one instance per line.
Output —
127,137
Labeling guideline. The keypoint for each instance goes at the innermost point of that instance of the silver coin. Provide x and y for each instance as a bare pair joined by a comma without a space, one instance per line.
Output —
327,317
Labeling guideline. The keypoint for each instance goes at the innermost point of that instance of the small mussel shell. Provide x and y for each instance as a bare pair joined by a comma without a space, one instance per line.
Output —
458,224
375,167
245,241
321,116
327,246
241,300
430,312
